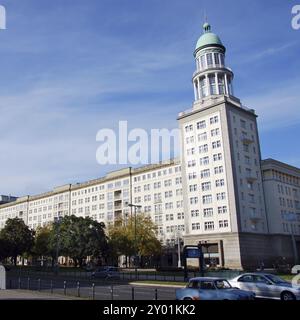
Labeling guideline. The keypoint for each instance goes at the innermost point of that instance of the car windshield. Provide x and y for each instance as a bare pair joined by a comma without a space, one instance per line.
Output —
222,284
275,279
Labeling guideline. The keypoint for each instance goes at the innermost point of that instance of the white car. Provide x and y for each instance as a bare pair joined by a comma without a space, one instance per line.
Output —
266,285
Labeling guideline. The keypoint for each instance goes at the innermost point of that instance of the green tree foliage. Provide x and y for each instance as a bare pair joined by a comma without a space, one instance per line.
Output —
135,236
18,238
80,237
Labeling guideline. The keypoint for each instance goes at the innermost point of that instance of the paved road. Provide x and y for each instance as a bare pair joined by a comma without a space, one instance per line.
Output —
102,291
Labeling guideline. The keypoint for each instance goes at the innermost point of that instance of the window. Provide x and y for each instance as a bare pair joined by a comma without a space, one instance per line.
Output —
216,144
214,120
204,161
194,213
217,59
192,176
194,200
206,186
202,62
189,128
193,188
203,148
215,132
208,212
202,136
243,124
196,226
207,199
223,223
218,170
208,226
191,163
205,173
209,59
201,124
212,84
222,210
221,83
217,157
220,183
203,87
221,196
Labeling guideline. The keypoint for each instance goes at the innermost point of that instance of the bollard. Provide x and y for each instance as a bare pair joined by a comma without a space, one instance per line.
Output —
65,288
93,291
156,295
28,283
78,289
112,292
132,293
51,287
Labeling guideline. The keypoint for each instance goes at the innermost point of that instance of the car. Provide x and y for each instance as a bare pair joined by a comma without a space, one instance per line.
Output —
106,273
266,285
209,288
295,269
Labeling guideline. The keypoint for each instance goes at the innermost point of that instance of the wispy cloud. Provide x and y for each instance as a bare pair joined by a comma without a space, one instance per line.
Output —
278,107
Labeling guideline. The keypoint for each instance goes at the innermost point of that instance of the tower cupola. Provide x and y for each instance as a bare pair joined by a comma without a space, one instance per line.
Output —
212,77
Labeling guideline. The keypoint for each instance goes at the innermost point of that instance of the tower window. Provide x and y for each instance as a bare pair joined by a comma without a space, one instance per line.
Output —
209,59
221,84
222,59
212,84
203,87
217,59
202,62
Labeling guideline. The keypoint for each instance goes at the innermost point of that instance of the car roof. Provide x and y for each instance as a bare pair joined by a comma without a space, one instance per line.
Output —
206,279
256,273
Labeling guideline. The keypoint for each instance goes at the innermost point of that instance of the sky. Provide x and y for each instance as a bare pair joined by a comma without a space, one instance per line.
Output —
72,67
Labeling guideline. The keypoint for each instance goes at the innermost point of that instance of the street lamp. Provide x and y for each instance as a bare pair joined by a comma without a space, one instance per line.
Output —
178,235
135,206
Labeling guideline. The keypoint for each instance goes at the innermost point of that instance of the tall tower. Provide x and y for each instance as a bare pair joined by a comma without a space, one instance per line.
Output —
222,183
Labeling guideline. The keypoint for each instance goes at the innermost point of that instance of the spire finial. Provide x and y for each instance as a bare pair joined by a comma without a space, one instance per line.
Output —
206,27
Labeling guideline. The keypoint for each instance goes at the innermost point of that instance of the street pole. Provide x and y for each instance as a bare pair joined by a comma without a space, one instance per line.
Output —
179,255
135,235
57,246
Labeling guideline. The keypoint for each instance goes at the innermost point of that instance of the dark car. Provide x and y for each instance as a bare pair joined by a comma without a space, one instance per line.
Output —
106,273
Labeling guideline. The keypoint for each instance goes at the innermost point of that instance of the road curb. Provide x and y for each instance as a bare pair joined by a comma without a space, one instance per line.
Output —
155,285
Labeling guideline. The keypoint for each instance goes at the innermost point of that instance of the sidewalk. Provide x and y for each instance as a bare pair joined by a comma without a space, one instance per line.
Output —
31,295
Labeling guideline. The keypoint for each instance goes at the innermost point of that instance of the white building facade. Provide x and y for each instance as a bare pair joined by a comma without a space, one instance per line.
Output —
216,194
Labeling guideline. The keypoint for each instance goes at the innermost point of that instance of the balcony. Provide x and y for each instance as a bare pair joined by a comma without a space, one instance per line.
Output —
157,200
254,217
246,140
251,178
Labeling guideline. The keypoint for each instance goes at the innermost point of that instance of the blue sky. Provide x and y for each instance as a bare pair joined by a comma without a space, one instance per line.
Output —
72,67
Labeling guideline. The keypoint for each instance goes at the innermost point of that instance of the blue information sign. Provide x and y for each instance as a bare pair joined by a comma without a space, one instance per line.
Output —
192,253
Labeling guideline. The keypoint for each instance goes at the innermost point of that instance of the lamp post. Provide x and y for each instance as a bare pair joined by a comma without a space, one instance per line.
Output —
135,206
178,234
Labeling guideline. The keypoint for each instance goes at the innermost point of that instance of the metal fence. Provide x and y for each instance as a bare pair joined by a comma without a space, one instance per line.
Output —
89,290
126,276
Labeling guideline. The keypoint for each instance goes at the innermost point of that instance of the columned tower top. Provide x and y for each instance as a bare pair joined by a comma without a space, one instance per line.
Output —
212,77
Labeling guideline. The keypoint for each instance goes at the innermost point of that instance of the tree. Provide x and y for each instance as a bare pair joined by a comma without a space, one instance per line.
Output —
130,239
81,237
3,250
19,239
45,242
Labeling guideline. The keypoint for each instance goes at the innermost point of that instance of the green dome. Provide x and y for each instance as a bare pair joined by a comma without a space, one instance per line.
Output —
208,38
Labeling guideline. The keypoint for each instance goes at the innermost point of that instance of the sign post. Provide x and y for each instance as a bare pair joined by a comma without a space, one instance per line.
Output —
193,252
